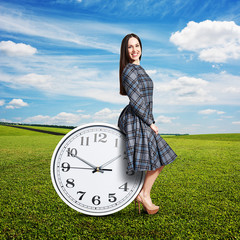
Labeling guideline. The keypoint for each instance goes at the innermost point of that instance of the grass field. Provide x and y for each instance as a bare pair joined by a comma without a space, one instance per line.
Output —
198,194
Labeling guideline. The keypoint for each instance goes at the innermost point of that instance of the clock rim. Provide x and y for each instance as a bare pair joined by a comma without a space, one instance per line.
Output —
142,177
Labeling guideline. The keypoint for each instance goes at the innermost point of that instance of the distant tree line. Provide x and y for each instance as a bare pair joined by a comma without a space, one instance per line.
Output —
69,127
37,125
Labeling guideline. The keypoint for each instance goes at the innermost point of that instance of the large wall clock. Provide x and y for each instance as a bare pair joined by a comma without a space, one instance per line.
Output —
88,170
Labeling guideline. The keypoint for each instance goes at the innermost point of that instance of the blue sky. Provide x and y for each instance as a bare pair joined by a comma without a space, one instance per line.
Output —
59,61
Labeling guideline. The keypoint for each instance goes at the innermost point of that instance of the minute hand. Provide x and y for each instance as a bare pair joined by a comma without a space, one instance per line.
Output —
88,163
110,161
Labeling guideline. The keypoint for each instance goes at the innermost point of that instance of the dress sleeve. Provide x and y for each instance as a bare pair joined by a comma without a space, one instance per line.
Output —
137,102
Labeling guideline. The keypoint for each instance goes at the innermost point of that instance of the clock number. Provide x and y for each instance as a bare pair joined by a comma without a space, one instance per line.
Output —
96,200
72,152
111,197
124,187
101,137
65,167
84,141
116,142
70,183
82,194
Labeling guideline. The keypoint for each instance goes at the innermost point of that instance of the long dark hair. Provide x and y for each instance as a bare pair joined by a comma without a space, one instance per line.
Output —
125,59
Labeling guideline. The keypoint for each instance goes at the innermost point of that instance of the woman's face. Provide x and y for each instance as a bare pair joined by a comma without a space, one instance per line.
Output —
134,50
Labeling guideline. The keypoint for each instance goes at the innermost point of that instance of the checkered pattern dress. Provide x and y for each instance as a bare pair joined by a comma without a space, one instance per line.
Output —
146,150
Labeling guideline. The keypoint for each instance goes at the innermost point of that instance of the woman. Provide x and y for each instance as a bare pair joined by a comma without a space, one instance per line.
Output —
146,150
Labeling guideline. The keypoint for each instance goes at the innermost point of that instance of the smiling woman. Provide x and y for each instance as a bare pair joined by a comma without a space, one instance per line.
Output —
146,149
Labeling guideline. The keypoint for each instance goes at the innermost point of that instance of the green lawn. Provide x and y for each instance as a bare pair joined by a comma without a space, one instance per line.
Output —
198,194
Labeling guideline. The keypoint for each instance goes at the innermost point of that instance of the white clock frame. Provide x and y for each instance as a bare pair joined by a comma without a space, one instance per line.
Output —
88,170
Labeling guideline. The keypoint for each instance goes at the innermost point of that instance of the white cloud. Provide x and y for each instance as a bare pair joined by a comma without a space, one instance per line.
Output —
65,118
210,111
236,123
10,107
184,90
164,119
220,112
224,87
214,41
62,118
2,102
38,119
173,88
68,118
151,72
5,120
16,49
35,80
232,90
16,103
107,114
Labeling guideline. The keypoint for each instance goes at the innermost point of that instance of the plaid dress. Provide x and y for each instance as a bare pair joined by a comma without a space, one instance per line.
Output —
146,150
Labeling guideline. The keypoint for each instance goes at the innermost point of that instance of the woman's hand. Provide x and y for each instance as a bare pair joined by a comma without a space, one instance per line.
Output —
154,128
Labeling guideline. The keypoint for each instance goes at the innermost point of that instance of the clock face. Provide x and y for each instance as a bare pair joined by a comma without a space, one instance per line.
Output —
88,170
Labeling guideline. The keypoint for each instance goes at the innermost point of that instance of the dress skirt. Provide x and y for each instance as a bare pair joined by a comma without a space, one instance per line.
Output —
146,150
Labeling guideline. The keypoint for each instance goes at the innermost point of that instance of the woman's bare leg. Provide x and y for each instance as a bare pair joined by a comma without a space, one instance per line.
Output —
150,178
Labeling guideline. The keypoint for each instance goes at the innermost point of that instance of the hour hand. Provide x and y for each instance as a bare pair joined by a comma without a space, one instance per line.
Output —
98,169
88,163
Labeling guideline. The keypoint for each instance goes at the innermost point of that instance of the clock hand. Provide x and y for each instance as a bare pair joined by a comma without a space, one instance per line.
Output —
90,168
89,164
100,169
110,161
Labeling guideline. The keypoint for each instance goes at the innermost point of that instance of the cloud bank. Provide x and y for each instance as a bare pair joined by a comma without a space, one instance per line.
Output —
16,49
214,41
16,103
75,119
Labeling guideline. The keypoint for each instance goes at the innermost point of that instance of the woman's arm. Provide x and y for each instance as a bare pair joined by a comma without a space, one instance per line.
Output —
131,86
